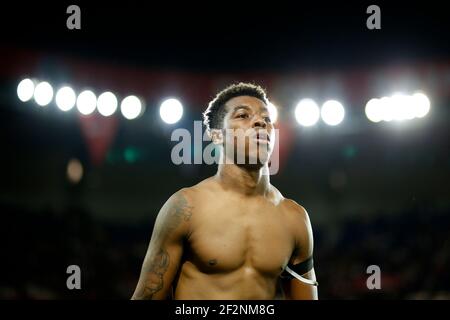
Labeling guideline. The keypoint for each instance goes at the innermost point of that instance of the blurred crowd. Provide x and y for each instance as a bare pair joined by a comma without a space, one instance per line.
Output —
412,250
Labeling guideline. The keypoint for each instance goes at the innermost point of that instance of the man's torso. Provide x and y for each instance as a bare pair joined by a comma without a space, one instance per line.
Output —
237,245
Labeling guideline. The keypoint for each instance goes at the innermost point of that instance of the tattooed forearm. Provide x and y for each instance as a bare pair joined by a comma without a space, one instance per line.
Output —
154,275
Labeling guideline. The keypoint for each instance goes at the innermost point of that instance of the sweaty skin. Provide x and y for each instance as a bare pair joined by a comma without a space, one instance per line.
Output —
231,235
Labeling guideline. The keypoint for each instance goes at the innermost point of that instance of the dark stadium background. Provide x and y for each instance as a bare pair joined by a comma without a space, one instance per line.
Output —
377,193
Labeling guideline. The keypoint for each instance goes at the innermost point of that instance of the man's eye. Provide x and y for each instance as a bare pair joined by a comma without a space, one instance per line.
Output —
243,115
267,119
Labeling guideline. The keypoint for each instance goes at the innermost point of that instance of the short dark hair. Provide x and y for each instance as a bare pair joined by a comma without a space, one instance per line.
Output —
215,113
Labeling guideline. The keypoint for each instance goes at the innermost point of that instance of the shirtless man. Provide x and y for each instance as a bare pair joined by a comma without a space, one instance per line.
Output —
233,235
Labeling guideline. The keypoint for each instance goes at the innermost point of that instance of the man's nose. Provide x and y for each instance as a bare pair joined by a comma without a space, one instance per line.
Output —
259,123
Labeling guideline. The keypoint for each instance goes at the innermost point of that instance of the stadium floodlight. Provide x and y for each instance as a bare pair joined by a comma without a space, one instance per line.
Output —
373,110
65,98
43,93
387,109
86,102
307,112
25,90
171,110
332,112
131,107
107,103
421,104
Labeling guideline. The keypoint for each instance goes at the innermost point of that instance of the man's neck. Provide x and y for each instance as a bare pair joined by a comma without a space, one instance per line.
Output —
247,180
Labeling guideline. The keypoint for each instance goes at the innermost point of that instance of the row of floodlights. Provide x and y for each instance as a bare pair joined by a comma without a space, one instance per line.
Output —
86,102
307,112
398,107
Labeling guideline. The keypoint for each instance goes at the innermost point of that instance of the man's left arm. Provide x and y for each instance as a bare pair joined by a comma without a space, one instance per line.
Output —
301,260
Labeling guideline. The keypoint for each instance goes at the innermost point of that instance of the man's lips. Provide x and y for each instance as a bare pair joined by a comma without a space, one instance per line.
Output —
262,138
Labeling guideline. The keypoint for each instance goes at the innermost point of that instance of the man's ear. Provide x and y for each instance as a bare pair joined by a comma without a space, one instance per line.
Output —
216,136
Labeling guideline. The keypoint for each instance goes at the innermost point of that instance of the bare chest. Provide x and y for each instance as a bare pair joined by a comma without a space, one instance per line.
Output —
228,237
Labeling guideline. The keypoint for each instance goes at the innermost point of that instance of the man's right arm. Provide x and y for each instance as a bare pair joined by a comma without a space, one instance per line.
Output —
164,252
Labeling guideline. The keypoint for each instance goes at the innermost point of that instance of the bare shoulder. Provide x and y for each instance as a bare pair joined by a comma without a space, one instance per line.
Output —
191,193
200,190
179,201
294,209
182,203
297,216
291,207
301,227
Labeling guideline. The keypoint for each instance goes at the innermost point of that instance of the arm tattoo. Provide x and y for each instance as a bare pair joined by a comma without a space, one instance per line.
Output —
179,210
158,263
154,274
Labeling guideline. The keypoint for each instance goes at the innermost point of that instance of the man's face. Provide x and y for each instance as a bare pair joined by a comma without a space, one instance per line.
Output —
248,133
